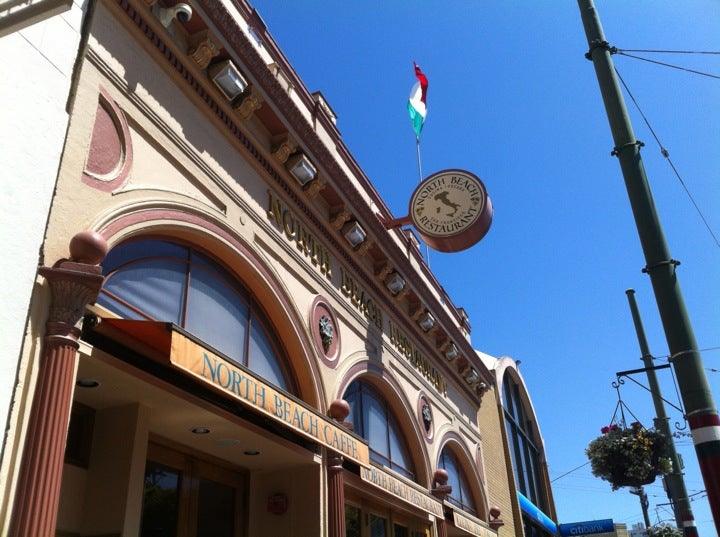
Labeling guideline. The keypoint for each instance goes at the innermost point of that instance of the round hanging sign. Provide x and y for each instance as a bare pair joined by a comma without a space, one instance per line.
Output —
451,210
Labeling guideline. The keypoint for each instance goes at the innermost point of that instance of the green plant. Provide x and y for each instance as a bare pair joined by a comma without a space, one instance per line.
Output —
664,530
628,457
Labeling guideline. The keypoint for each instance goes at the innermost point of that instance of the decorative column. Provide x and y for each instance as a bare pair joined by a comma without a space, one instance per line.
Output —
339,410
441,490
74,284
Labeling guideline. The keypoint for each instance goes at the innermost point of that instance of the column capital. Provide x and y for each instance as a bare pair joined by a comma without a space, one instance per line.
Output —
75,282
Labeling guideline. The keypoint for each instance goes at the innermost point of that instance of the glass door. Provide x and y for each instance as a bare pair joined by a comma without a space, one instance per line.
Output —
184,496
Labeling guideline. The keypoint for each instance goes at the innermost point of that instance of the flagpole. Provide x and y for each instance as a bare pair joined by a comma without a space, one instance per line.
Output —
420,178
417,108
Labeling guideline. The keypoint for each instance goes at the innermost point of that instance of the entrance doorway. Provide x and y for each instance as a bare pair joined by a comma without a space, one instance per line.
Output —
185,495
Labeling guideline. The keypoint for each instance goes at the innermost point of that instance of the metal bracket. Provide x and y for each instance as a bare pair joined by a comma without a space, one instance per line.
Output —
604,45
643,370
648,268
616,150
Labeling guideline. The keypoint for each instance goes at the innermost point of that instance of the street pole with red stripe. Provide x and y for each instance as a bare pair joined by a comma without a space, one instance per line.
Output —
700,410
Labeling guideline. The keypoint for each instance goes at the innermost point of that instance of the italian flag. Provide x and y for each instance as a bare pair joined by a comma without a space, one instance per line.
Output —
417,104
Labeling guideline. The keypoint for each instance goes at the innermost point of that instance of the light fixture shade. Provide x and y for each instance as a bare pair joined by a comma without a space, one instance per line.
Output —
426,321
228,79
395,283
354,234
472,376
301,168
451,352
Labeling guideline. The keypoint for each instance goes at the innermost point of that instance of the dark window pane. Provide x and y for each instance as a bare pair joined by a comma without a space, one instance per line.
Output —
155,287
131,251
262,358
216,510
160,501
400,531
352,521
216,315
378,526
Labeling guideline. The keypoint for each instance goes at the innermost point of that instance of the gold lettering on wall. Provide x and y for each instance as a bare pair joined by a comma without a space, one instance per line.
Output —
295,231
419,361
361,300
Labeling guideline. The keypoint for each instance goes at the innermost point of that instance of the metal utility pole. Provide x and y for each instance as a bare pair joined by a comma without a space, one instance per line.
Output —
701,413
644,503
674,480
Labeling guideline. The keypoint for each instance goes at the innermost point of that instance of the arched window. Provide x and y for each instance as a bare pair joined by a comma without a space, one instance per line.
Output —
461,495
523,447
373,420
157,280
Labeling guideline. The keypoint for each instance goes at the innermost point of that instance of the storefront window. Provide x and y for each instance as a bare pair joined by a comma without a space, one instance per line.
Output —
157,280
373,420
460,495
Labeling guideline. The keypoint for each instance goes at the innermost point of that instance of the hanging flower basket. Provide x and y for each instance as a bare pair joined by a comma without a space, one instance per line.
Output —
629,457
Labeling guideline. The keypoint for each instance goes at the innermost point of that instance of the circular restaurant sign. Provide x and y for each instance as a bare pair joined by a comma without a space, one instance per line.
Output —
451,210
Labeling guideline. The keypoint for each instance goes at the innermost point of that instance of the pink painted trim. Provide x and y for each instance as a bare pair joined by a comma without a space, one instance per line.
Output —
112,181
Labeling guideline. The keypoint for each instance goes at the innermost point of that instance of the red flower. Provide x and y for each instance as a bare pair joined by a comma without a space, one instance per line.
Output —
604,430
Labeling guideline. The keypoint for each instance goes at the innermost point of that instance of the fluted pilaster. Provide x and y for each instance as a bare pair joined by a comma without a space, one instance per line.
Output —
336,496
73,285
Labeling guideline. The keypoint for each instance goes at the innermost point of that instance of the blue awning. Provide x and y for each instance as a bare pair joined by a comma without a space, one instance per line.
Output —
534,512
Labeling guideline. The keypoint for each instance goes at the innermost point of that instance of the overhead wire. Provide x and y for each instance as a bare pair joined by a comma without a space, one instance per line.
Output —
665,153
624,52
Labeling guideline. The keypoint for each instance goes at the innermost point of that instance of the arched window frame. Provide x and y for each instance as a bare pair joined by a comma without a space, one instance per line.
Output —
461,495
199,259
359,393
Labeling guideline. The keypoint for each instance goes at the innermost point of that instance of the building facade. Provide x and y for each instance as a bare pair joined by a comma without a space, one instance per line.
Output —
222,335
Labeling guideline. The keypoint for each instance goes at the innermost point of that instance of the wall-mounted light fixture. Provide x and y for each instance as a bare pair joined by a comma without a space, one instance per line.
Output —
354,234
451,352
166,15
301,168
426,321
395,283
228,79
471,376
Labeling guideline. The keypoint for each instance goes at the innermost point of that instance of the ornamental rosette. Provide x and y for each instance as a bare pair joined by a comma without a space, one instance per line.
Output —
629,457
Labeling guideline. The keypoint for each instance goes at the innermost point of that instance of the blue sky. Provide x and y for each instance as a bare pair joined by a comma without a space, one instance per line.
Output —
513,100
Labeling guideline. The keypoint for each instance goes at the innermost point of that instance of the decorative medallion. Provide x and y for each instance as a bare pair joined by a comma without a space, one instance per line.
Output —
425,416
324,330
